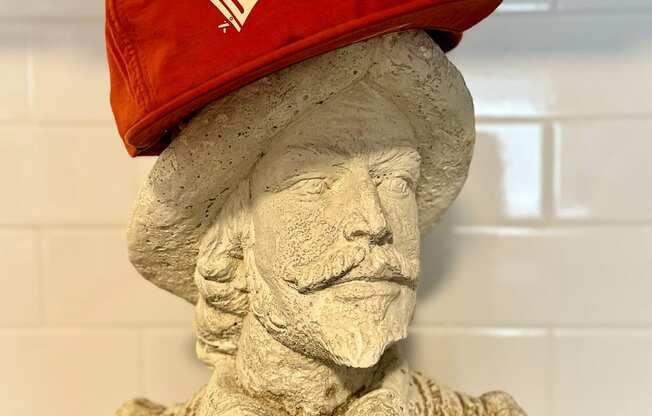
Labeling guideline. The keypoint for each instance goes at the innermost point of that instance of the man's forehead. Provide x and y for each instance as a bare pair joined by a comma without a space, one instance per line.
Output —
347,137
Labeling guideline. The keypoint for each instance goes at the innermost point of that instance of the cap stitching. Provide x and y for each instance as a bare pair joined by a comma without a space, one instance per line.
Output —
131,58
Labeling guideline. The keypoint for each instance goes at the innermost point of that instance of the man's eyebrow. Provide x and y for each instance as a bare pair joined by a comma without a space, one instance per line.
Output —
403,155
316,149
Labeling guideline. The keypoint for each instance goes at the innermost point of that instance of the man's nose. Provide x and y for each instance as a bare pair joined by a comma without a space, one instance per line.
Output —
367,218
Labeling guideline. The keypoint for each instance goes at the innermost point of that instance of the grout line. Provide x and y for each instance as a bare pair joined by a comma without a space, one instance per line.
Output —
31,79
550,161
65,227
605,11
44,255
498,227
40,267
546,328
524,9
511,231
45,19
506,328
142,383
489,119
551,359
97,326
495,330
36,122
556,171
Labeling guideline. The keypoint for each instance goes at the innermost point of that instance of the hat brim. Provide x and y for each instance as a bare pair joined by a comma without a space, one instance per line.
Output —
445,21
217,149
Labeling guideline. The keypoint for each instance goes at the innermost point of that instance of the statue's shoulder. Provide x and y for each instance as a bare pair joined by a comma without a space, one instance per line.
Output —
427,398
141,407
144,407
207,402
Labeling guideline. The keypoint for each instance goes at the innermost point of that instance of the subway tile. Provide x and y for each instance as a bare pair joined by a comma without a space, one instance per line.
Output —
70,72
477,361
58,9
539,65
14,67
603,170
503,276
611,5
67,372
505,178
19,276
172,371
89,280
524,5
65,175
602,373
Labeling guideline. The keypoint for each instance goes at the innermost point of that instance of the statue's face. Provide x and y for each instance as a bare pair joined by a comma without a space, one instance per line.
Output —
335,258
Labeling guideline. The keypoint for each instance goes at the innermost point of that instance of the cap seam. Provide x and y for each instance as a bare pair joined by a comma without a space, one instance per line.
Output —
145,132
144,146
131,59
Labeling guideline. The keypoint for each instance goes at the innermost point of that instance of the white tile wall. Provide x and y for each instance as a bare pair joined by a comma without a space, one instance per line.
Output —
537,281
172,373
563,276
602,373
74,56
20,301
584,192
477,360
559,65
14,73
88,280
67,372
525,5
65,174
505,179
62,9
604,5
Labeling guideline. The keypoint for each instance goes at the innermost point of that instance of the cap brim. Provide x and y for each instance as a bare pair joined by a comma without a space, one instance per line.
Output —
444,20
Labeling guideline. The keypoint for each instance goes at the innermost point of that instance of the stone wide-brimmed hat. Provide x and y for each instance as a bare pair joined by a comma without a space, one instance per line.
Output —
217,148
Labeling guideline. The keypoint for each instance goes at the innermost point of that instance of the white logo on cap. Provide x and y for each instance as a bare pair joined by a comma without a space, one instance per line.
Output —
235,11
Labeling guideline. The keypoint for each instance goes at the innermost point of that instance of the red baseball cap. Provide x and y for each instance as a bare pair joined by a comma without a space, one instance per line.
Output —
168,59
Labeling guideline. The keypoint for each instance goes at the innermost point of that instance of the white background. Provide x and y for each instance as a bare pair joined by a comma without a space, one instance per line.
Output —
538,282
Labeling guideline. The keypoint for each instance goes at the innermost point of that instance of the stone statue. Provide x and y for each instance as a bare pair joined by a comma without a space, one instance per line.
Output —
289,212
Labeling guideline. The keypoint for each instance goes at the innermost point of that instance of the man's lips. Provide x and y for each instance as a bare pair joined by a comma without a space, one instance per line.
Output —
379,273
385,277
347,264
357,290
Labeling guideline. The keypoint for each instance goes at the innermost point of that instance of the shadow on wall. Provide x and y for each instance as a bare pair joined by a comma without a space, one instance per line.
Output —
438,258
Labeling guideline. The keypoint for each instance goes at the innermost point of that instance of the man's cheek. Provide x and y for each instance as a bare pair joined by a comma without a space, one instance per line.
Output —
306,233
294,233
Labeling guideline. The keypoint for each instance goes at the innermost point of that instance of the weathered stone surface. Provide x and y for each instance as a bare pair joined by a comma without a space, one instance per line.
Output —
290,213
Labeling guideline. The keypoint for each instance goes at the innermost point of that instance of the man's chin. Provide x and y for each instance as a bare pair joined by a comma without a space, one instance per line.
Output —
365,359
359,321
358,348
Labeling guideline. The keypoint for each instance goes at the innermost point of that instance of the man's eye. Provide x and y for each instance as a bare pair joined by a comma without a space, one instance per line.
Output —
396,185
314,186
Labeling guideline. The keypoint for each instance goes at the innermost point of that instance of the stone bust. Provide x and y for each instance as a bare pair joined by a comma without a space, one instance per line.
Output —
289,212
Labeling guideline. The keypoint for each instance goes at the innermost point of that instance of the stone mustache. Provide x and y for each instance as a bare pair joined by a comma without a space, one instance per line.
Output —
290,211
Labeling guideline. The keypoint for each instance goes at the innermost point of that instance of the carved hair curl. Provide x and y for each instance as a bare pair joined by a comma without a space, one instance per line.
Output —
220,277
